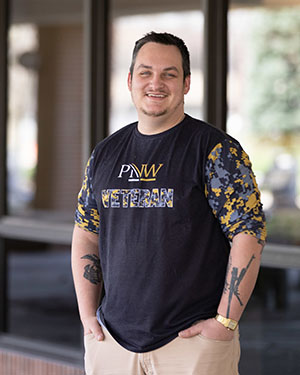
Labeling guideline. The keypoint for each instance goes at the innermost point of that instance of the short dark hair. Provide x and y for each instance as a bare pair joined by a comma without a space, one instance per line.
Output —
167,39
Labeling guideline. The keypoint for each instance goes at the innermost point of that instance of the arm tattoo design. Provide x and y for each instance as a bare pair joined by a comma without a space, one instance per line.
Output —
226,286
233,286
92,272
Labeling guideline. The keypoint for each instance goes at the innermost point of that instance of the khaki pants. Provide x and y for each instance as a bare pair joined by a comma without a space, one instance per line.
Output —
193,356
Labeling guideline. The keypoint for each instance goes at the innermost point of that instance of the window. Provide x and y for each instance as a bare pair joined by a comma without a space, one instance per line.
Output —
263,97
264,108
45,116
45,108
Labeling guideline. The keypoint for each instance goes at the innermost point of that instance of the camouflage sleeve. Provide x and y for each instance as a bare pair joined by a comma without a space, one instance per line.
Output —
87,216
232,191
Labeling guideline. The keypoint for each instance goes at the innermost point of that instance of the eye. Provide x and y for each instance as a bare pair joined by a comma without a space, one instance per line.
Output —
170,75
145,73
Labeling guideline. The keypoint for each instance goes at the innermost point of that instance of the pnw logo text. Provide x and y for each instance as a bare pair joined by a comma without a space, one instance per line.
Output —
138,198
143,173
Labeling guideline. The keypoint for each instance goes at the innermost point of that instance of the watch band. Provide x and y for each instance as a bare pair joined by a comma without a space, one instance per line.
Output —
228,323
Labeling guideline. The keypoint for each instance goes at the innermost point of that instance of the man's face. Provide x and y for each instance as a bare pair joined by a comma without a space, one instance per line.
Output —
157,85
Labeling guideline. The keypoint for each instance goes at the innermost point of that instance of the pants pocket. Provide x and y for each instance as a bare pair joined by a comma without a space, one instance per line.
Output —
219,357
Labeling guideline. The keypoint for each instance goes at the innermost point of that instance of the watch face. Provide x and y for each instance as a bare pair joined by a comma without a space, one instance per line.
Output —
231,325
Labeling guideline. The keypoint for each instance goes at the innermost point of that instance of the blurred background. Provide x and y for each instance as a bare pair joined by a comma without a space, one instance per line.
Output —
59,56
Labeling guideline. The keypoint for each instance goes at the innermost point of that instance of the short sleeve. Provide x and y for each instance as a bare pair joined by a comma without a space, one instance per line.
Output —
232,191
87,215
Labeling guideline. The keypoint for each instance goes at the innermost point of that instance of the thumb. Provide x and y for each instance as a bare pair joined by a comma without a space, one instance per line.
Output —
190,332
97,332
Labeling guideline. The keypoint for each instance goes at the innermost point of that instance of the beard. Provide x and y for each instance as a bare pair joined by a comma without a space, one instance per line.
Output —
154,113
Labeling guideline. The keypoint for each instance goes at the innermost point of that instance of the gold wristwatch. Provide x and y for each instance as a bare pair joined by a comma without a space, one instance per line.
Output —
228,323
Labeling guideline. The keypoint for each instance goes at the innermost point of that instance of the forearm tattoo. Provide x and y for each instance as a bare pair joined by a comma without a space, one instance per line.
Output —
233,285
226,286
92,272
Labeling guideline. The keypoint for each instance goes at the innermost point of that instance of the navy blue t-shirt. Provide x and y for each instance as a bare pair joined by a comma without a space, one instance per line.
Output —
165,207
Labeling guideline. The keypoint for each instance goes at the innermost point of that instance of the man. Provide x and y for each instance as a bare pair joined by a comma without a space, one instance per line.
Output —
160,290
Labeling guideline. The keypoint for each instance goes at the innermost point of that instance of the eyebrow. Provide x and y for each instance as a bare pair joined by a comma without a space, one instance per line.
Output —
143,66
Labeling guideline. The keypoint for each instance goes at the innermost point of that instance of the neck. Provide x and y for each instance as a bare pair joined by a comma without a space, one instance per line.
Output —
154,125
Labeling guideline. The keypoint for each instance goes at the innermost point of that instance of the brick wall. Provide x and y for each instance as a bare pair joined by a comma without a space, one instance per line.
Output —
12,363
60,114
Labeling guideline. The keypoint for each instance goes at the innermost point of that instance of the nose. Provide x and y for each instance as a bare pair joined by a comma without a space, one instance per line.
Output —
156,81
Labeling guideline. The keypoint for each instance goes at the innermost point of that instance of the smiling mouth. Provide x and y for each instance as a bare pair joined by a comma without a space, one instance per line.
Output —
158,96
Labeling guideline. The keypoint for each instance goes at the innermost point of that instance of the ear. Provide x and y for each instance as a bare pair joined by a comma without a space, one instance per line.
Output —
187,84
129,81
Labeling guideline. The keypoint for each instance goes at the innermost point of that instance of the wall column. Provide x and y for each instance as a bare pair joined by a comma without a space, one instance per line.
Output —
215,62
3,172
